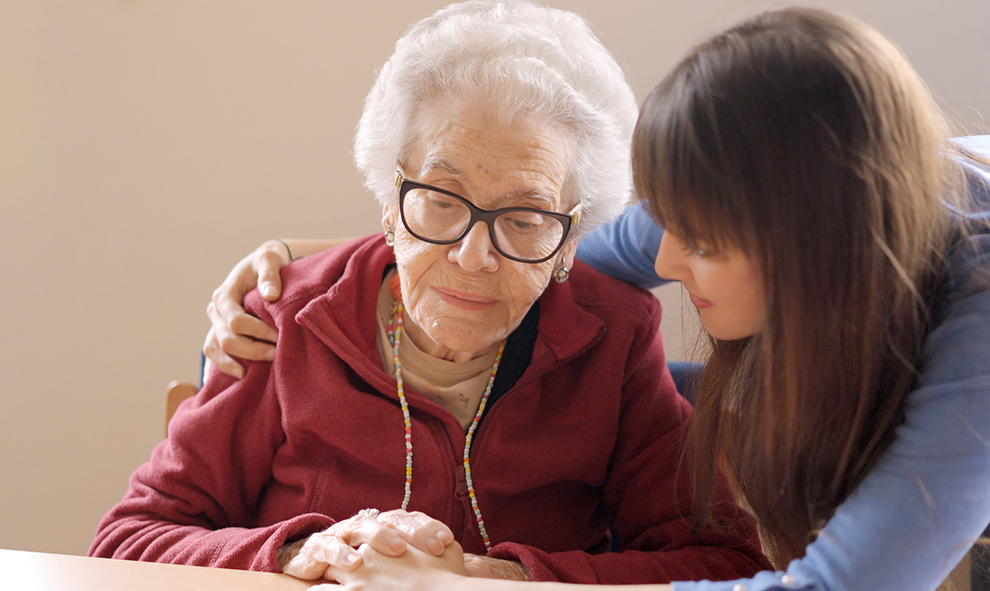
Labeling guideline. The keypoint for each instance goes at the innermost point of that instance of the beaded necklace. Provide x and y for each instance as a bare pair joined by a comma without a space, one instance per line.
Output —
394,338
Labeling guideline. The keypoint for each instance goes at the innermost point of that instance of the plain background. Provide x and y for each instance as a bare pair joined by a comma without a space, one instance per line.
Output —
146,146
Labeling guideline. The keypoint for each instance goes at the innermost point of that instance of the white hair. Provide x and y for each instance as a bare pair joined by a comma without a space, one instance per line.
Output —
520,58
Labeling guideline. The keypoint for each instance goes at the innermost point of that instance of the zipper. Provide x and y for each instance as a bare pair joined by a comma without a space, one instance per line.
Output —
525,380
469,523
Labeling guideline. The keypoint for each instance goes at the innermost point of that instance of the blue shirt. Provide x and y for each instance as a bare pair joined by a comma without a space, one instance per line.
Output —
916,514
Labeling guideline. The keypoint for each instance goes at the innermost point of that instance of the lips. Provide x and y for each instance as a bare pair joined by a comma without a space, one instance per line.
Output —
465,300
698,302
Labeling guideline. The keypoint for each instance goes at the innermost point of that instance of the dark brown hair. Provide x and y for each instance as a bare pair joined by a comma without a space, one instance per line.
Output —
806,140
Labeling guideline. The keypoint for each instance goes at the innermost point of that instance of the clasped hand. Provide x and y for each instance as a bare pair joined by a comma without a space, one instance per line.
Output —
370,541
334,550
419,571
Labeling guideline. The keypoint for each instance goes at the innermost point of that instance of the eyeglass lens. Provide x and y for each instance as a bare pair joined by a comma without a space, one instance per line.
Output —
526,235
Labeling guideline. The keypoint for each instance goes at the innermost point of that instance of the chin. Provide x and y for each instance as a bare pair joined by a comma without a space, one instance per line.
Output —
727,334
458,333
475,341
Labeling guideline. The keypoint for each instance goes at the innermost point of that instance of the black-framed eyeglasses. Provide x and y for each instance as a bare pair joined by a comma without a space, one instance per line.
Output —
522,234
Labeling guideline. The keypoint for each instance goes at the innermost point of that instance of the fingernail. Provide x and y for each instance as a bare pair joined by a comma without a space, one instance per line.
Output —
269,291
351,558
435,546
270,355
445,536
397,544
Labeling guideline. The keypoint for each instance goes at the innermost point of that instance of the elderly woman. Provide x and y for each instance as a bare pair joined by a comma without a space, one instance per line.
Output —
459,371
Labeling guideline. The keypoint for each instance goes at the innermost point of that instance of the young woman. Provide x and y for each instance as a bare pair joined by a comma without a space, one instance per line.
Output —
812,211
838,251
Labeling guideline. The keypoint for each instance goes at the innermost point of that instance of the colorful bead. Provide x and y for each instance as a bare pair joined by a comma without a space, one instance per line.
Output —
467,447
395,337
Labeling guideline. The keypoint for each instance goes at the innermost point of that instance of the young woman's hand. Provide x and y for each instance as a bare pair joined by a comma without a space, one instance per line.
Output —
413,570
234,331
495,568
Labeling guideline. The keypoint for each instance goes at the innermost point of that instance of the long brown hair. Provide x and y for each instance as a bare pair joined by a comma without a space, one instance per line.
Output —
808,141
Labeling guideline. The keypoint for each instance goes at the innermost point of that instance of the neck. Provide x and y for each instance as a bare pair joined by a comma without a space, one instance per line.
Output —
425,344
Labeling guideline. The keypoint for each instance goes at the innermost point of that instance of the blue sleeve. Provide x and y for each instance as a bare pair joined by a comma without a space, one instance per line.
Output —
625,248
928,499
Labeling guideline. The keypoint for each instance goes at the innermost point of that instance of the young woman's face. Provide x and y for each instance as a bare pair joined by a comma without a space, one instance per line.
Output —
725,286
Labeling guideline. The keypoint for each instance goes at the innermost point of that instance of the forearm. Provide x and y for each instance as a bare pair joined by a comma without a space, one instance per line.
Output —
196,501
633,567
153,539
648,491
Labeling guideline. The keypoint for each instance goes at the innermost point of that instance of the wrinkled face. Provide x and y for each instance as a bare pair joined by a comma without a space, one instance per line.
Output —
465,296
725,286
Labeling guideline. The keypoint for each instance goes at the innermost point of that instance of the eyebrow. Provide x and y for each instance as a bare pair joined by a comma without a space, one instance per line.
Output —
532,194
438,163
433,163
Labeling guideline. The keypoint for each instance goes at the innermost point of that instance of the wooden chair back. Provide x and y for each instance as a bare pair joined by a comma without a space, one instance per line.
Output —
175,393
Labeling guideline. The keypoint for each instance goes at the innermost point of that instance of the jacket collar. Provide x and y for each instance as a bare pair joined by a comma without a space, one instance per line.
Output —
343,318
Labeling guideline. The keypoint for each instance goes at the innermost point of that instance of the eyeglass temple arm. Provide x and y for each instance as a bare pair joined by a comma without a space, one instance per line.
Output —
576,215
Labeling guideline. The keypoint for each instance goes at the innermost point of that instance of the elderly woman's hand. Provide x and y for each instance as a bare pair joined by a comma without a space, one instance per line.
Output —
387,533
413,570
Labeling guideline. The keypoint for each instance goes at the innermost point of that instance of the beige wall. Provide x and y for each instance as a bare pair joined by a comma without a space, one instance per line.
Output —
145,146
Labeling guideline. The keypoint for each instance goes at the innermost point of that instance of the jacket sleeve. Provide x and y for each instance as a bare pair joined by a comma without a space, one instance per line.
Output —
916,514
647,492
625,248
194,502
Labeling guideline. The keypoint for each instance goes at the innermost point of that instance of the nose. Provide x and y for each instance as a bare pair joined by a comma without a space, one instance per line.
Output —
475,252
670,258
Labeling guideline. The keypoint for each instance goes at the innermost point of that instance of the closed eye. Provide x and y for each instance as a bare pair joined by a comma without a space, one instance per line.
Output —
695,250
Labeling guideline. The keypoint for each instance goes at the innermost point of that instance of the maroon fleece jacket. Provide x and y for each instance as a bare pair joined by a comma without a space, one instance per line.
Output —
588,442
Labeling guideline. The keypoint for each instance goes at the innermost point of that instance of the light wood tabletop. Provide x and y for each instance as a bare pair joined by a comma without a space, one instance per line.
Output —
34,571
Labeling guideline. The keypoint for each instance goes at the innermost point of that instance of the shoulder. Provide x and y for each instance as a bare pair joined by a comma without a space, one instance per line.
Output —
590,301
314,276
605,296
968,260
975,163
592,306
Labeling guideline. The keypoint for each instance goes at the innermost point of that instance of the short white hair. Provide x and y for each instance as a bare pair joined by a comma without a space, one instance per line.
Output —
521,58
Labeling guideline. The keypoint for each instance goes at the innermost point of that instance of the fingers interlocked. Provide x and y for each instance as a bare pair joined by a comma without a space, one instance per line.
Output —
386,533
419,530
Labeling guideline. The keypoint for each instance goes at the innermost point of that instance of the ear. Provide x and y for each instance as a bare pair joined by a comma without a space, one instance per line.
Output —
389,217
